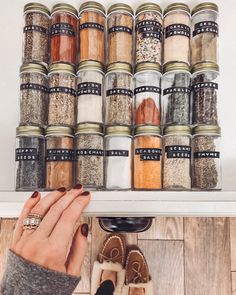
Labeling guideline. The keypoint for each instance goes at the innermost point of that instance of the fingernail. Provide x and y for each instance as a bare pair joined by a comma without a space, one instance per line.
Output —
85,194
35,194
61,189
77,186
84,230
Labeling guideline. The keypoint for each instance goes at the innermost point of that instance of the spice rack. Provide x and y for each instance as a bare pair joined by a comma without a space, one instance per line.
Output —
118,203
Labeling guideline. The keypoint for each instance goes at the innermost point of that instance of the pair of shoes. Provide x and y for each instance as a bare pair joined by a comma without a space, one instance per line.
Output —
131,267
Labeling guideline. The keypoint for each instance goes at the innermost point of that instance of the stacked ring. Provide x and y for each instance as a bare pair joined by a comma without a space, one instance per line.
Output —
32,221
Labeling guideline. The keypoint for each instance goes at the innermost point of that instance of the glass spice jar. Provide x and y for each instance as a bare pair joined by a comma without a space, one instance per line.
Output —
177,33
64,26
59,157
205,32
147,158
206,158
148,32
205,78
147,91
176,94
36,33
90,92
30,151
118,157
92,32
120,33
62,95
119,95
89,156
177,158
33,95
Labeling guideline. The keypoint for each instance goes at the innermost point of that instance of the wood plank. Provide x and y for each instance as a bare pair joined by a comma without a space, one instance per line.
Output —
165,260
164,228
233,243
207,256
233,277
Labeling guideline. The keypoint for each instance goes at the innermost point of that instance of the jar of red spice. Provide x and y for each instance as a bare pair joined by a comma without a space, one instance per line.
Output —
92,32
64,33
147,158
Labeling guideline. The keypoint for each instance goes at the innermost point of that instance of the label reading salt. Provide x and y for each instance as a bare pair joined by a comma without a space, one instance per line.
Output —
117,153
149,154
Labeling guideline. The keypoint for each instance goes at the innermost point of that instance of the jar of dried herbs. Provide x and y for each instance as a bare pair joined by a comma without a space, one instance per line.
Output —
149,33
176,94
64,26
120,33
62,95
89,156
36,33
90,83
33,95
206,158
92,32
118,157
205,93
177,158
147,91
30,151
147,158
59,157
205,32
119,95
177,33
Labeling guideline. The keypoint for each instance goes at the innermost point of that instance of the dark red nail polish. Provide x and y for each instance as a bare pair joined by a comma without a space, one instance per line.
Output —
35,194
84,230
85,194
61,189
77,186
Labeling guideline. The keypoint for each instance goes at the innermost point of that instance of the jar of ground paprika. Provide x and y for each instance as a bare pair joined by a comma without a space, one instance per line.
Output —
64,33
92,32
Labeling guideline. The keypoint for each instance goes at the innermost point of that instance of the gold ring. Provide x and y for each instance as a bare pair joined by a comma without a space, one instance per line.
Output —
32,221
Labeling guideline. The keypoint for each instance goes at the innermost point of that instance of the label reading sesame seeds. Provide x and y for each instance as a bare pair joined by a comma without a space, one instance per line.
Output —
117,29
204,85
149,154
206,27
147,89
59,155
91,25
178,151
36,29
66,90
27,154
117,153
177,30
32,86
62,29
150,29
89,152
171,90
120,91
89,88
206,154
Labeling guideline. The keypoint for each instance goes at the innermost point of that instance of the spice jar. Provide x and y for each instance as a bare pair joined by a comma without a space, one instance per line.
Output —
204,42
118,157
33,95
147,158
30,148
205,93
206,158
176,94
147,91
177,33
120,33
148,32
64,33
59,157
62,95
90,155
92,32
90,82
177,158
119,95
36,33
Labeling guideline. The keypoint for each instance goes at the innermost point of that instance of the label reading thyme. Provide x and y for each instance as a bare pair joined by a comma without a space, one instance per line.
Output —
171,90
27,154
149,154
87,88
32,86
59,155
150,28
66,90
205,85
147,89
91,25
206,154
36,29
178,151
117,29
120,91
117,153
62,29
206,27
177,30
89,152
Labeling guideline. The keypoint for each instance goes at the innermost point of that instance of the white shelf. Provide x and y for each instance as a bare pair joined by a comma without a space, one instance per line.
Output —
159,203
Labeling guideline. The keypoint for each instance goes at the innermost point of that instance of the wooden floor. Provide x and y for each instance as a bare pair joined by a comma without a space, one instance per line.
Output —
187,256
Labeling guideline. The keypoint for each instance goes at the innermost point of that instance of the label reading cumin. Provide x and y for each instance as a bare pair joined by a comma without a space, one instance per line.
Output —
206,154
117,29
27,154
91,25
149,154
117,153
87,88
178,151
36,29
177,30
206,27
59,155
62,29
142,89
120,91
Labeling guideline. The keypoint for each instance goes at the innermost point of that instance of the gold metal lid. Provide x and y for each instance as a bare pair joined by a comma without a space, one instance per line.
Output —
177,129
64,7
118,130
92,5
61,67
59,130
120,7
119,67
29,131
207,129
205,6
90,65
205,66
34,6
173,66
147,66
147,129
88,128
177,6
148,7
33,67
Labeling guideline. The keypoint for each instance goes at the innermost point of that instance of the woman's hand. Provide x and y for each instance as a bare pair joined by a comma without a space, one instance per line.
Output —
55,244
